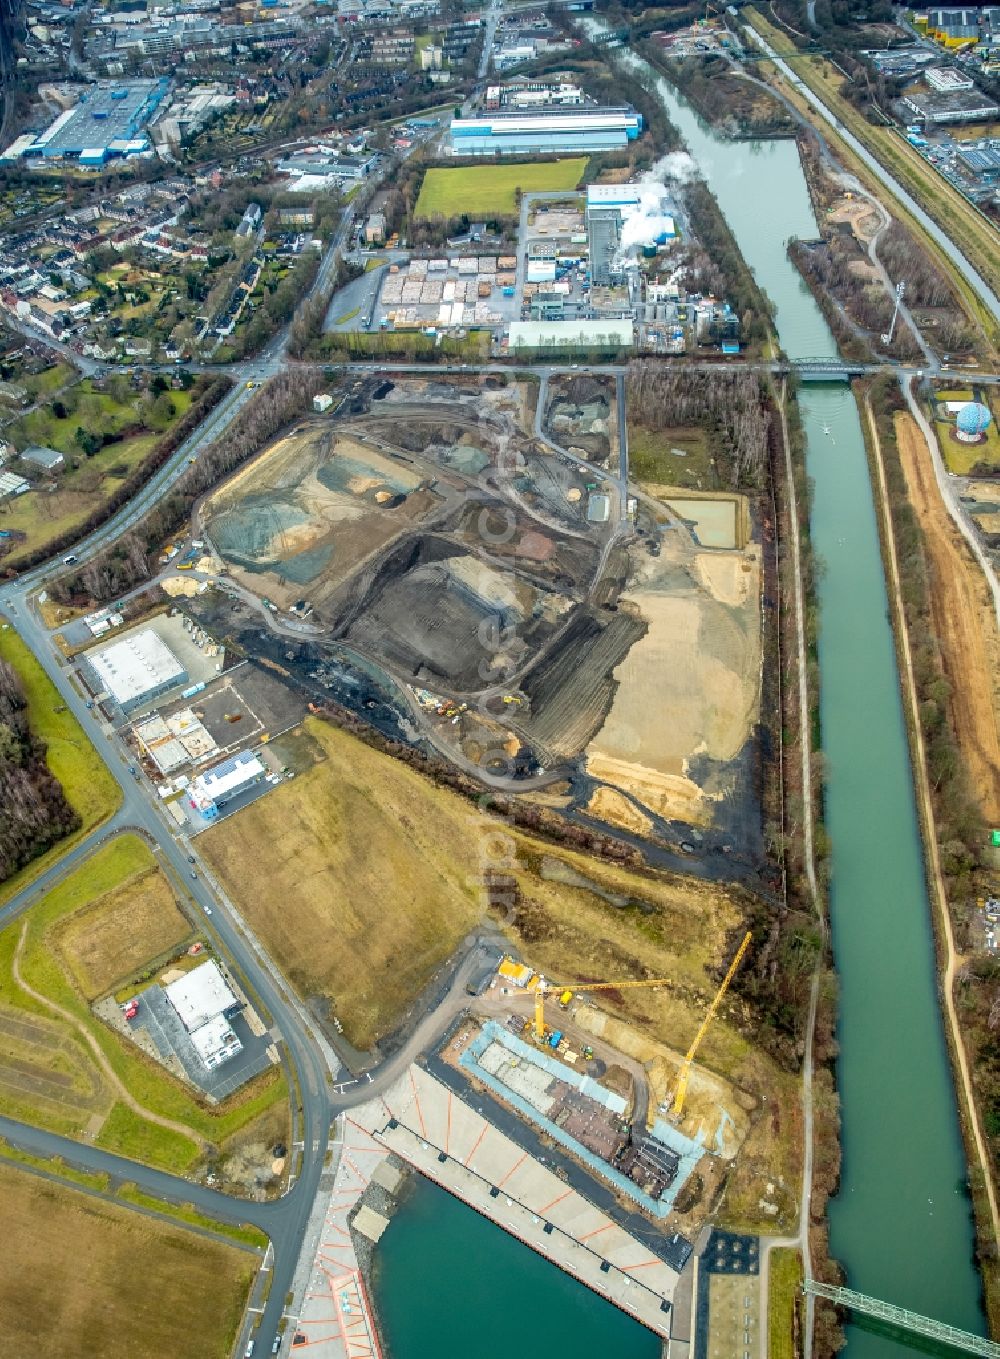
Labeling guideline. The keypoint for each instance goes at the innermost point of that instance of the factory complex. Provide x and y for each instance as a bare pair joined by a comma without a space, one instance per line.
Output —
108,120
520,132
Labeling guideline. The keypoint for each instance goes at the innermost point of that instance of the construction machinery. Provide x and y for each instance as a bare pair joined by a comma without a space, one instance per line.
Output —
677,1107
544,988
566,993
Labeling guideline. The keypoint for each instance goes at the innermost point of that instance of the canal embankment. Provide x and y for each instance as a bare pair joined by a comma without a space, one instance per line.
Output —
927,720
901,1208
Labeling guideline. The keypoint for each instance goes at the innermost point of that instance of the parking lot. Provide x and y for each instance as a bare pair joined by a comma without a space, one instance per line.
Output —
173,1043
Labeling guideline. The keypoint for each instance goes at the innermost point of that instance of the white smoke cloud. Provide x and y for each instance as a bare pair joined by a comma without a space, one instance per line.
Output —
650,219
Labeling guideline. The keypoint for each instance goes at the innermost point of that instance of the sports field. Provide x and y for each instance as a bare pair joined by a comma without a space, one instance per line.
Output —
85,1277
492,189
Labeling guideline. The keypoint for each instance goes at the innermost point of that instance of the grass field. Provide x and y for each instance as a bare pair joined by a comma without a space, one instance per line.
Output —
43,515
86,780
115,936
492,189
60,1066
962,458
783,1287
85,1277
972,233
652,459
376,877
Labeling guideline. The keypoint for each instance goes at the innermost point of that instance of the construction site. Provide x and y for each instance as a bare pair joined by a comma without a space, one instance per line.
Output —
467,578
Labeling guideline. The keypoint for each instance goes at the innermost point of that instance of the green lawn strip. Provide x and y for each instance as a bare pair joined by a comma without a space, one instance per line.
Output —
48,381
347,316
87,782
126,1133
55,1165
250,1236
452,191
783,1287
145,1080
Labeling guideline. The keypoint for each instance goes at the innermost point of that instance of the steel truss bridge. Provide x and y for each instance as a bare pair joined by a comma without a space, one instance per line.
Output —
904,1319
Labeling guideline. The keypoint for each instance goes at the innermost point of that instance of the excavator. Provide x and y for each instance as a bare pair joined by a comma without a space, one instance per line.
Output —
543,989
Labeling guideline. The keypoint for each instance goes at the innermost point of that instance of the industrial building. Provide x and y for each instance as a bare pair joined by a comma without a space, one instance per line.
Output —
211,791
622,218
109,120
577,335
136,670
549,131
958,106
204,1003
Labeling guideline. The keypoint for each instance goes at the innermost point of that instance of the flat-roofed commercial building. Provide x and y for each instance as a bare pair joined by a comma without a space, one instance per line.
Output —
136,670
109,120
555,130
204,1003
578,335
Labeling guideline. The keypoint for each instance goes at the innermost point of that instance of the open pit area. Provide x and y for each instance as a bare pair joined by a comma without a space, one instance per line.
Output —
581,416
430,564
687,694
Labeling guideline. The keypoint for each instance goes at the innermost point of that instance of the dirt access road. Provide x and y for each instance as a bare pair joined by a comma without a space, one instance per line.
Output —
964,622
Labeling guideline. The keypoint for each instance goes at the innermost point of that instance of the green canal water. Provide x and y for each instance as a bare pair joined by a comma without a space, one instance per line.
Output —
901,1224
452,1283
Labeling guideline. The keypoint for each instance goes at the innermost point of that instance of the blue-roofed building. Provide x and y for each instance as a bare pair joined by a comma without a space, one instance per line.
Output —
109,120
585,128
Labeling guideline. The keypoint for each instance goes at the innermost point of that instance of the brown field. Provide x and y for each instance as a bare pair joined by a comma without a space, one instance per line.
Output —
365,890
964,623
114,936
374,881
73,1281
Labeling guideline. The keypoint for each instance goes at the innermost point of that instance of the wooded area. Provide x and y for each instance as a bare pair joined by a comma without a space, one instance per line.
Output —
729,403
34,813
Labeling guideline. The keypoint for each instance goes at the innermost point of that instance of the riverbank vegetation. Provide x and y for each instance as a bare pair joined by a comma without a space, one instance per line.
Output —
717,267
735,105
974,236
72,764
956,822
849,287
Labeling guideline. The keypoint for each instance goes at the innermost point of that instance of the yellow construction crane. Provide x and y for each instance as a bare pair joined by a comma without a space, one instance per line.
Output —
677,1108
543,989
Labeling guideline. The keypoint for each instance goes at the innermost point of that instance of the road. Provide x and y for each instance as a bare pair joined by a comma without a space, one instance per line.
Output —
982,289
138,810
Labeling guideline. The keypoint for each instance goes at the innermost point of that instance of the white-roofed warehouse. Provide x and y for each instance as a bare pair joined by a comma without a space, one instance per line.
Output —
201,995
136,669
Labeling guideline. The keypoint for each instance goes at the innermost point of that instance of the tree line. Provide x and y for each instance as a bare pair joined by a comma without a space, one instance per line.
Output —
210,393
34,813
126,562
731,403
